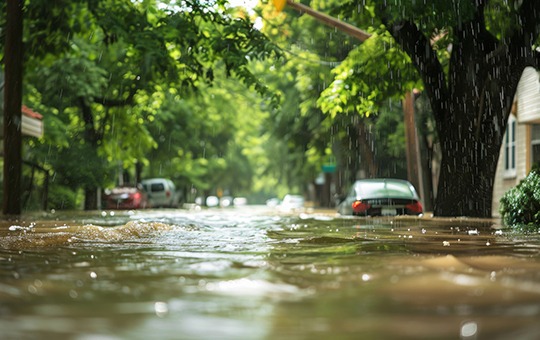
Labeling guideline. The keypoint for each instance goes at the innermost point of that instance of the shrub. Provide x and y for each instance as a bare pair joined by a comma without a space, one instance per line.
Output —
520,206
62,198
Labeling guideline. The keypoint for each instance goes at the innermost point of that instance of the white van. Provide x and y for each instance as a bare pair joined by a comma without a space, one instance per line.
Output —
161,192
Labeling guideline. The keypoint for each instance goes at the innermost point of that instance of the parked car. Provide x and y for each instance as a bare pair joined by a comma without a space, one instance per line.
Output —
273,202
381,197
226,201
161,192
126,197
292,202
212,201
240,201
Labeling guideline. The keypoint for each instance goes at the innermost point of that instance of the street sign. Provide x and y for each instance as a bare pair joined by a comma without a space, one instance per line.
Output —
329,168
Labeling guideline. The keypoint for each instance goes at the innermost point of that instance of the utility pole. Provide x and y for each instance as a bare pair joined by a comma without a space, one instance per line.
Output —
326,19
13,57
411,139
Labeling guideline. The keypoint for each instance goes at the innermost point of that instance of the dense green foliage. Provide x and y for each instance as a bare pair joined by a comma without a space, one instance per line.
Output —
520,206
150,88
466,56
314,56
156,90
131,85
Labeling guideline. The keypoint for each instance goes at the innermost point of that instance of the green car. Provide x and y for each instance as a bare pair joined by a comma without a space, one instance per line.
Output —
381,197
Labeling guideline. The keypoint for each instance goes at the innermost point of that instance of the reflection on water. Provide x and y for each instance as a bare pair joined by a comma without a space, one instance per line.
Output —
253,274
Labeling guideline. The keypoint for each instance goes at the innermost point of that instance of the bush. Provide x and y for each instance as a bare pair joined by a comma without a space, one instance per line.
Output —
520,206
62,198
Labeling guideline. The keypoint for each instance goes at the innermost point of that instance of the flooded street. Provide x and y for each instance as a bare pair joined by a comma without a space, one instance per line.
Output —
252,273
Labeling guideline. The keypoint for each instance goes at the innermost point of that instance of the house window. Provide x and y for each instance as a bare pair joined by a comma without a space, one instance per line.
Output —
510,148
535,145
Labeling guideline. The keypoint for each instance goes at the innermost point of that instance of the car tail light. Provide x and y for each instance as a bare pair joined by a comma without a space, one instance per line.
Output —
360,207
415,207
136,196
168,193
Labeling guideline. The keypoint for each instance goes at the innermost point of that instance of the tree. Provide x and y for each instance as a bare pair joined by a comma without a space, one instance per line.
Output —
12,109
469,56
107,62
368,144
203,140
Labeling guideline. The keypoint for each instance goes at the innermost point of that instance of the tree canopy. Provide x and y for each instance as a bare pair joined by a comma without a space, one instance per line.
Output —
468,55
103,72
151,85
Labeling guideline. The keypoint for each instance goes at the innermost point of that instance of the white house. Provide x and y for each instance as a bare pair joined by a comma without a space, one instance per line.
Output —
32,124
521,145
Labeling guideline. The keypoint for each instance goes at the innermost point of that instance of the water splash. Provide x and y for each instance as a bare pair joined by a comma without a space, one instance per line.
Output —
47,235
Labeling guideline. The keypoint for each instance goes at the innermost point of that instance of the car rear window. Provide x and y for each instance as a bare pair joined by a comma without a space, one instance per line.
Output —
157,187
383,189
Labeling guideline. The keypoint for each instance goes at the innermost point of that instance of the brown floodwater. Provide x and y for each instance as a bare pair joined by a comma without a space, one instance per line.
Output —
255,273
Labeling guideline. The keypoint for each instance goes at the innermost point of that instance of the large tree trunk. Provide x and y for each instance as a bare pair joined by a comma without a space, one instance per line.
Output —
472,119
12,108
91,198
91,137
467,171
471,103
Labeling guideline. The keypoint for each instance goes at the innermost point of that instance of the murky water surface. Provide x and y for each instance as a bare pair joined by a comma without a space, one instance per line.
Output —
253,274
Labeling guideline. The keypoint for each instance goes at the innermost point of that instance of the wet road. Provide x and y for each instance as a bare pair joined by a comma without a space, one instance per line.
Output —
255,273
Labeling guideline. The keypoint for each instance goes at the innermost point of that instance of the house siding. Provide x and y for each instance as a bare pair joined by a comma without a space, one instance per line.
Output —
503,183
528,94
527,111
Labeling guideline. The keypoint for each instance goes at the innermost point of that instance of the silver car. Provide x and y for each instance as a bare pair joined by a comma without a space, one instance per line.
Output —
161,192
381,197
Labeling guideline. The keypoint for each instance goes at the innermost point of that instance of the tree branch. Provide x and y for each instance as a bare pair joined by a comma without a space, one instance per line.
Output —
424,58
489,41
528,14
519,46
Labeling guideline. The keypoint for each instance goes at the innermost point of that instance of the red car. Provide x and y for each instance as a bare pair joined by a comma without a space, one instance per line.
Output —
126,197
